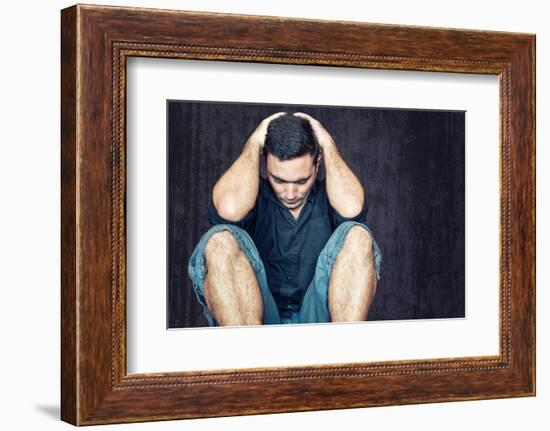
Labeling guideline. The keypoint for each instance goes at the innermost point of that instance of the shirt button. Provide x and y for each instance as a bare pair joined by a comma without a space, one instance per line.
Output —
292,256
287,278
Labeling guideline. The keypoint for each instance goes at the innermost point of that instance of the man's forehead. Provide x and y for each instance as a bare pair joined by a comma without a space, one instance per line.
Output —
290,170
289,180
302,162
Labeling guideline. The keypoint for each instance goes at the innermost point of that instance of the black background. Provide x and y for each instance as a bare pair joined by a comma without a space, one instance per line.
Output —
410,162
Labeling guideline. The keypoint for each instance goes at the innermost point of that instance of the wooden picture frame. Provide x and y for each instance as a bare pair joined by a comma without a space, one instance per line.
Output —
95,43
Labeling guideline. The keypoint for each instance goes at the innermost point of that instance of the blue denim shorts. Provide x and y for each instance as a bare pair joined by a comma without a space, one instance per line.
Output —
314,308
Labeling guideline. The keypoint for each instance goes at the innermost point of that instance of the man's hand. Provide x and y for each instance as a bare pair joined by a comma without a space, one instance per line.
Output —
258,136
323,137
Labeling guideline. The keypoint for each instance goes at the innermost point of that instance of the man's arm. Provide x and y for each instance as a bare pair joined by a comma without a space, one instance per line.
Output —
234,195
345,193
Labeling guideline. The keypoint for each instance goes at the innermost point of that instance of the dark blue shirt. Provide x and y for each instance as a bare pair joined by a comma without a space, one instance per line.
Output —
289,248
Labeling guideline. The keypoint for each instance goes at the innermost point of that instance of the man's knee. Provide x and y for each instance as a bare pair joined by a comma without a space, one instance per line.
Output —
221,246
358,240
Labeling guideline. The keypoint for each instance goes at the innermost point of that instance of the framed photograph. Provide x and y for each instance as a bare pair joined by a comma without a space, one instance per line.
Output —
265,214
423,152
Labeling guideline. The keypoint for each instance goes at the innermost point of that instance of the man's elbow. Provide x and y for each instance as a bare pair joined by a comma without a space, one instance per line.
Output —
352,208
229,211
351,211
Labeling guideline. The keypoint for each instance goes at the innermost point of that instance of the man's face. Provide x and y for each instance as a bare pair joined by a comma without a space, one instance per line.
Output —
292,180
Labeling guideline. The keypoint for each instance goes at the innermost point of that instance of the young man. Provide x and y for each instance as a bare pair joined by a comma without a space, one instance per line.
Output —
289,248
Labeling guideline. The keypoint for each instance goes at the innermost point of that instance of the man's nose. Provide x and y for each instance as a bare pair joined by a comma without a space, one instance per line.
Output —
291,191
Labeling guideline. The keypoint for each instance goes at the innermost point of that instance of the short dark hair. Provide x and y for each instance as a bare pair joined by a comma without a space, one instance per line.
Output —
289,137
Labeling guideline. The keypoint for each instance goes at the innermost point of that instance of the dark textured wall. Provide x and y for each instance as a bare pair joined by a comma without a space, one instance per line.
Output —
410,162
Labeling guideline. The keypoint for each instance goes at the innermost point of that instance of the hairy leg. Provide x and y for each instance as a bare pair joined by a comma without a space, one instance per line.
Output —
230,288
353,278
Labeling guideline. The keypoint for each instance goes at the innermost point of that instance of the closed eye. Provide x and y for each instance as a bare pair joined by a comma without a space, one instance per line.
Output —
281,181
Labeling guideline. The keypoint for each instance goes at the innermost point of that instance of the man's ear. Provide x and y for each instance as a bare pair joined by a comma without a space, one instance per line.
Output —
319,157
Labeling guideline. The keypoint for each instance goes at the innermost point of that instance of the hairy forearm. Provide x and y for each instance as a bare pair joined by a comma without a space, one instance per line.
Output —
344,190
345,193
234,195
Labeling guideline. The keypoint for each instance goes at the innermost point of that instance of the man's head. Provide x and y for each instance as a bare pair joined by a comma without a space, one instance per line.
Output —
292,158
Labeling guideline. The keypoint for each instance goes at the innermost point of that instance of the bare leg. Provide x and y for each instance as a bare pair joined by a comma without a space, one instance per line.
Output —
353,278
230,288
